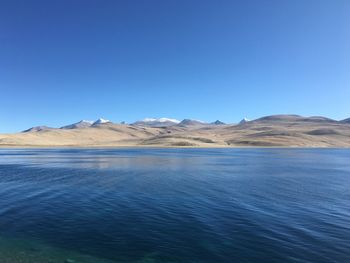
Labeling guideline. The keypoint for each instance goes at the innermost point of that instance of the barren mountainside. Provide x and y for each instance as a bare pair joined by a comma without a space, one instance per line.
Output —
269,131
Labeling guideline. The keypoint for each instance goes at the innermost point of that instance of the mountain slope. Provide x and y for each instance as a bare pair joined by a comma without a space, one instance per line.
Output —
38,129
269,131
78,125
346,120
189,122
294,118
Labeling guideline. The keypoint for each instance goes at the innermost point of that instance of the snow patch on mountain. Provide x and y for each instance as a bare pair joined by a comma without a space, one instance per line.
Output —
244,120
80,124
160,120
101,121
85,121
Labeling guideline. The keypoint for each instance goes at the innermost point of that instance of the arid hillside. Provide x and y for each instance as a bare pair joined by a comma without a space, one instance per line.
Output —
270,131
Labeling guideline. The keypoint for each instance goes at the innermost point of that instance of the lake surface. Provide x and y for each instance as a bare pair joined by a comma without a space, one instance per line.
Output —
174,205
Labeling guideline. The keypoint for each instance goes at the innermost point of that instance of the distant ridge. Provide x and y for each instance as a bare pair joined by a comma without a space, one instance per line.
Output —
189,122
346,120
217,122
38,129
292,117
168,122
80,124
280,117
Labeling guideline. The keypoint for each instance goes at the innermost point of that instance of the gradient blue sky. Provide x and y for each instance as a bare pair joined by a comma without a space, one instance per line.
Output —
62,61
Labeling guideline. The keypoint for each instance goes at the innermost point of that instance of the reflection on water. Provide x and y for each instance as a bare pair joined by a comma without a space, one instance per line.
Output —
99,158
174,205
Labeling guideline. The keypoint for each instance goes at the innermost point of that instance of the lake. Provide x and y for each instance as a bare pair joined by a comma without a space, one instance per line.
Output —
174,205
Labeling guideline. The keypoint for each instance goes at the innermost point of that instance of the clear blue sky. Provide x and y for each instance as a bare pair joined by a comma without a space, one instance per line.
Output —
62,61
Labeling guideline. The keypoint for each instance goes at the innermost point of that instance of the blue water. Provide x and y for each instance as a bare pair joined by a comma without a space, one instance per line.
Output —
176,205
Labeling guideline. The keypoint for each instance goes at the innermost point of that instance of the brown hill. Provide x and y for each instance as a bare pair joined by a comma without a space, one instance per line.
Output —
270,131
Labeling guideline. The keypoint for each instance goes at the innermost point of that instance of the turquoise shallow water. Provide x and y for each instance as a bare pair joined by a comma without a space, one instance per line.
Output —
174,205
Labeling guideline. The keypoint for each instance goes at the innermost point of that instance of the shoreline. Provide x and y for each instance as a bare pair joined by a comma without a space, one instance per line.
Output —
162,147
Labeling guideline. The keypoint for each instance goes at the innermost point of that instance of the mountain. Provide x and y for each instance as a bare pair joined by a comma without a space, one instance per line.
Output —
244,120
278,118
346,120
100,121
161,122
217,122
38,129
294,118
319,119
189,122
268,131
77,125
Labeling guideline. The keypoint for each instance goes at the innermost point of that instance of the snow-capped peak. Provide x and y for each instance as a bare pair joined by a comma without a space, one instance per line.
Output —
160,120
244,120
101,121
153,122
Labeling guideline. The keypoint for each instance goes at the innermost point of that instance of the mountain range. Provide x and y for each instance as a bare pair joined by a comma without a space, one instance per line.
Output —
268,131
161,122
